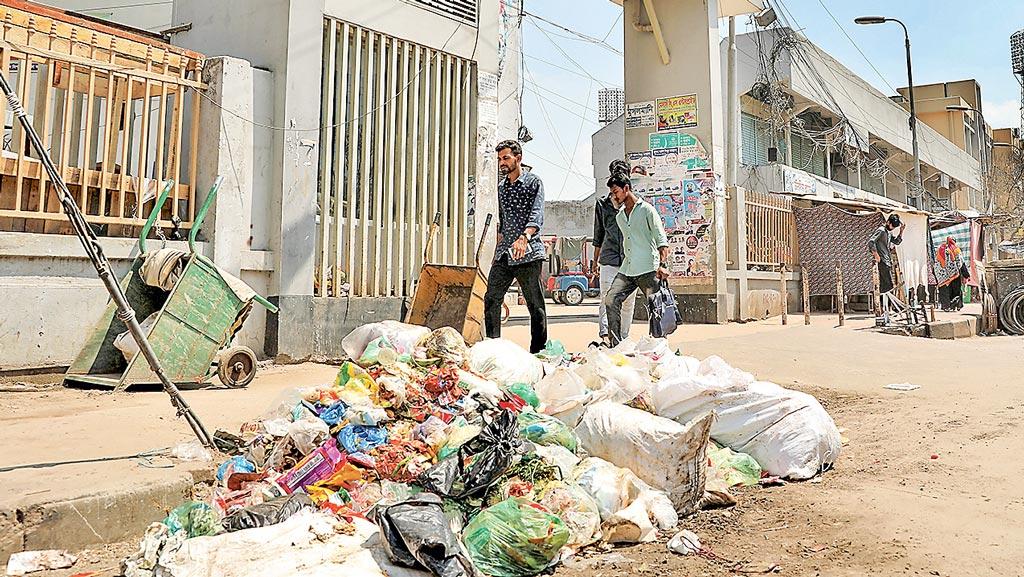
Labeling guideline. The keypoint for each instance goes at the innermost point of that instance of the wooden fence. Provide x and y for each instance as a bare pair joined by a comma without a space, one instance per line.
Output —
771,230
112,105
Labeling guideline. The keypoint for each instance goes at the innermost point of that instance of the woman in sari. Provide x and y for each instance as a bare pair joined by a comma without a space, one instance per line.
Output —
950,264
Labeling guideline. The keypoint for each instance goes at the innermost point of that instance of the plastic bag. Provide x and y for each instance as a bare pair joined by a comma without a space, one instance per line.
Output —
361,438
731,469
505,362
125,342
446,344
195,519
787,432
577,509
558,456
514,538
546,430
191,451
554,351
402,337
666,455
563,395
478,462
269,513
378,351
234,465
416,533
432,432
614,377
458,433
631,510
526,393
354,386
334,414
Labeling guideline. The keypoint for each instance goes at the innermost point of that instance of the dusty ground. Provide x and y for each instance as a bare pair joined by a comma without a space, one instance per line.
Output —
928,482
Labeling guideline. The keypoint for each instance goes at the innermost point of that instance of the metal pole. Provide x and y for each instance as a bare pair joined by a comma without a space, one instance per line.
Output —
95,252
732,145
913,112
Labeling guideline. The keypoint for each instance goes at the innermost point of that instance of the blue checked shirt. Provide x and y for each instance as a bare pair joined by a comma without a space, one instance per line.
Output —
520,205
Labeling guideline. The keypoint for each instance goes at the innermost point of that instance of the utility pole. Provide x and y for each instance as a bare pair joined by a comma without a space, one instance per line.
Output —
732,149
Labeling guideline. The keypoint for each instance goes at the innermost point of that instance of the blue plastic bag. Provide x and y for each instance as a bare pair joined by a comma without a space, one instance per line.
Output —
334,414
361,438
234,465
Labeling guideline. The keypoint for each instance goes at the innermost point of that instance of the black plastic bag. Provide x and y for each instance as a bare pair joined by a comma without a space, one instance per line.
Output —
265,514
416,534
489,455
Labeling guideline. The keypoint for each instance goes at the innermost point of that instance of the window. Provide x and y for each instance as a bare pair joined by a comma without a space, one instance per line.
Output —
756,138
807,156
461,10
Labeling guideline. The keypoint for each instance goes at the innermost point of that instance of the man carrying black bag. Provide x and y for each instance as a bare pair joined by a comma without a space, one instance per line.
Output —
645,252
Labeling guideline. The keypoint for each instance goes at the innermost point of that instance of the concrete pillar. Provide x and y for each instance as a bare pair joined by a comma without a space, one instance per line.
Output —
225,149
687,63
737,233
493,72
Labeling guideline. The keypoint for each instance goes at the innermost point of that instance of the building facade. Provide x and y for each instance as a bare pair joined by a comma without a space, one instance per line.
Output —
340,127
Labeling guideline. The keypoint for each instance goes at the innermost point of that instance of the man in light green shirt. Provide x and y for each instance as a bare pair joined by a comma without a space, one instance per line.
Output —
645,248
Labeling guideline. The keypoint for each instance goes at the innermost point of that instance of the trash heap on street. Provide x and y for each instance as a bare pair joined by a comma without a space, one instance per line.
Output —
426,456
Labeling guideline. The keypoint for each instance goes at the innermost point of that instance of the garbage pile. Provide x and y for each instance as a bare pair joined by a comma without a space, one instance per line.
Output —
428,457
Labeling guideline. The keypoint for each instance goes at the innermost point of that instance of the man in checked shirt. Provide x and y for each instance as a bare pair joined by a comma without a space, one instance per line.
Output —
520,254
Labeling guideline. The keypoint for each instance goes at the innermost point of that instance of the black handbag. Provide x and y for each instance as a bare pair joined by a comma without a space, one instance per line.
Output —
664,312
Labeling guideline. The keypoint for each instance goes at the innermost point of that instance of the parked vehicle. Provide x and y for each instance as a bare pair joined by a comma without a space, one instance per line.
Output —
570,266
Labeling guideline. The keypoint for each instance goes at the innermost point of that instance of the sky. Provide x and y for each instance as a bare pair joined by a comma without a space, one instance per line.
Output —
949,41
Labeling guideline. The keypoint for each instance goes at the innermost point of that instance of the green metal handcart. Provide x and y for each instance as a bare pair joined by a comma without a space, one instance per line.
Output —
196,320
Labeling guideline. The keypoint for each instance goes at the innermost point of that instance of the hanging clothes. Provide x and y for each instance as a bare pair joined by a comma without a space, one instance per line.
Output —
913,251
827,235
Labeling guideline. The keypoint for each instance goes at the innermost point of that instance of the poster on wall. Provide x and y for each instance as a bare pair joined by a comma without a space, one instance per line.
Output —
677,112
640,114
656,140
691,251
640,163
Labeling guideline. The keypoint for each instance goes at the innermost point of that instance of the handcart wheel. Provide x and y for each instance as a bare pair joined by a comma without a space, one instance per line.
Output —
237,367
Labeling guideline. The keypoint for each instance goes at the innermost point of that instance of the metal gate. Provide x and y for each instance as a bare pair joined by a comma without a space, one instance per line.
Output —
397,146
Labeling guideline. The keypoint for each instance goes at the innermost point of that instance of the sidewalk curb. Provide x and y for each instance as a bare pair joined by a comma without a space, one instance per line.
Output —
92,520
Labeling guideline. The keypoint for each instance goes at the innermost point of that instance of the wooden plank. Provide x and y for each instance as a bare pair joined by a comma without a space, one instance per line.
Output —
367,144
125,132
458,204
353,160
174,155
341,153
840,297
378,164
161,132
142,170
412,186
434,157
446,160
783,292
193,153
387,214
90,113
402,191
805,283
324,174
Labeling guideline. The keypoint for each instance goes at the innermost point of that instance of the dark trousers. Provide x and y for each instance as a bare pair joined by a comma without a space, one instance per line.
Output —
621,289
885,283
951,296
528,276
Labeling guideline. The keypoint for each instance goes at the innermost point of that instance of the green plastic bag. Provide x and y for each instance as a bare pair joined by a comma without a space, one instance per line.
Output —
553,351
515,538
196,519
736,469
546,430
526,393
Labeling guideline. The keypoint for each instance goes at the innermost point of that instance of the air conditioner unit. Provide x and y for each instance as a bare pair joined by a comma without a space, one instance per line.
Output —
943,180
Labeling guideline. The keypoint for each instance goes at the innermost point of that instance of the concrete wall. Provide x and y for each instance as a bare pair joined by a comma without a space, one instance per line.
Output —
569,217
606,145
151,16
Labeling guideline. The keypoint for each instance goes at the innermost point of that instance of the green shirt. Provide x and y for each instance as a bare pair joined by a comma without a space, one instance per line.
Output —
642,235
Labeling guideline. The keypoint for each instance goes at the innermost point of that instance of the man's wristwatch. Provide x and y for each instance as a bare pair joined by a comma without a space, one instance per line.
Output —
527,236
663,265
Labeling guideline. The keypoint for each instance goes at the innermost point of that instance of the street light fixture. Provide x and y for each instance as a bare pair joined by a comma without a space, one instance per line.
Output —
866,20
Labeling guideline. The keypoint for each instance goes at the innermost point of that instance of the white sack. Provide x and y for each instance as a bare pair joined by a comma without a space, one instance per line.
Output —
787,432
401,336
563,395
631,511
125,342
505,362
304,545
666,455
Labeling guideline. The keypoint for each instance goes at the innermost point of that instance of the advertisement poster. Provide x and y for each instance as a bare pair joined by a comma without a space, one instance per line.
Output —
640,163
656,140
677,112
665,157
691,250
640,114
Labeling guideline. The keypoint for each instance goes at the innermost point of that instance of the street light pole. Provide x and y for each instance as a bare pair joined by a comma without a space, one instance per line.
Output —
910,80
